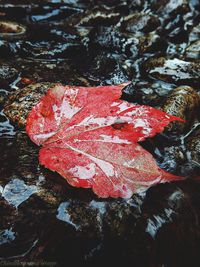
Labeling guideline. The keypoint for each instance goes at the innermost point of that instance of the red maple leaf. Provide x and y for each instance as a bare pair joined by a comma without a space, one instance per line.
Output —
89,136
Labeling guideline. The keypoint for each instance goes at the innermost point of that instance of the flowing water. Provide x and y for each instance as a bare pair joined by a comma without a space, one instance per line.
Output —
152,43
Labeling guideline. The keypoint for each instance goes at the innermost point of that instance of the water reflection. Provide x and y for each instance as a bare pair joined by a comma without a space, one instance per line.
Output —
63,214
6,129
7,236
16,192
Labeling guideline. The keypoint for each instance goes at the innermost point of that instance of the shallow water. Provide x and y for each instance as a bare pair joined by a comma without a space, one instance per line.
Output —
43,218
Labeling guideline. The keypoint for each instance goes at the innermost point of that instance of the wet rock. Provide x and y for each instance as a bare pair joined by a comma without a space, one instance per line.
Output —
7,74
129,44
192,142
49,49
194,35
151,43
75,215
173,70
6,49
173,159
98,16
193,50
95,225
18,151
3,96
20,103
140,22
6,236
174,49
112,39
173,222
45,71
104,69
7,212
18,186
42,218
53,14
193,146
6,129
169,7
183,102
146,93
175,29
11,30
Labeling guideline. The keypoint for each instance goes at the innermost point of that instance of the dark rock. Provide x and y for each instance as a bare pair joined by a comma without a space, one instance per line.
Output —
45,220
140,22
173,222
168,8
49,49
6,49
151,43
105,68
112,39
7,74
3,96
173,70
173,159
175,29
146,93
192,143
98,16
127,43
46,71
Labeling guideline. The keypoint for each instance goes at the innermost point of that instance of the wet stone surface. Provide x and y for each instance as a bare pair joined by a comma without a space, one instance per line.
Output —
182,102
173,70
7,74
153,44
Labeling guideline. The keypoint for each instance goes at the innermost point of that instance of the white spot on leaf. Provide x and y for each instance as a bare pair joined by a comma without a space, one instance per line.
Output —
84,172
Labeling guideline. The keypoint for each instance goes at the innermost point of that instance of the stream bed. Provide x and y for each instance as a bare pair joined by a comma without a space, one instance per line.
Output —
154,44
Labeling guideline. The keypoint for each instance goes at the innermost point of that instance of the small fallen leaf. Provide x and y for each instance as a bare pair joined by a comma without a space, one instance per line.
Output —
89,136
25,81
